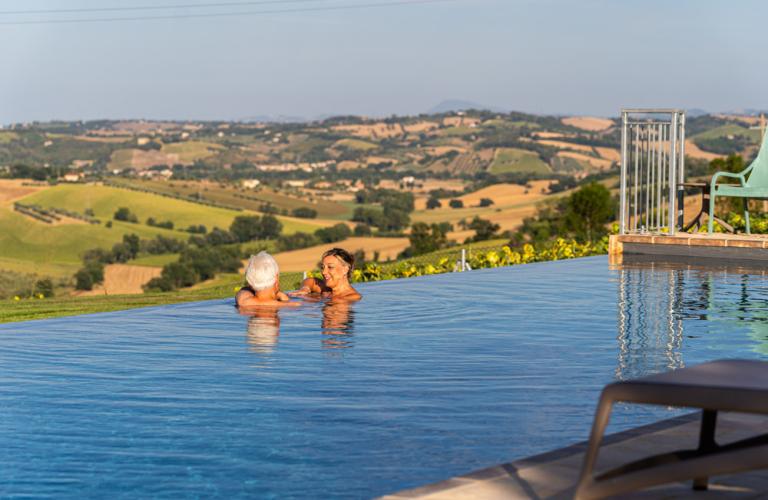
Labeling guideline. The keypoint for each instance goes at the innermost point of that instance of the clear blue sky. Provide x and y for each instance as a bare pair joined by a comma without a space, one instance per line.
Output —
542,56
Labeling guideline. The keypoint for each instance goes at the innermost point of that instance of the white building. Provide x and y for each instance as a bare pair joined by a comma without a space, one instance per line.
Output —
251,183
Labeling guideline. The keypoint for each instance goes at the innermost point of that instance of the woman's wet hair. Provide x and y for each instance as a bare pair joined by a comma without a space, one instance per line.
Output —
344,256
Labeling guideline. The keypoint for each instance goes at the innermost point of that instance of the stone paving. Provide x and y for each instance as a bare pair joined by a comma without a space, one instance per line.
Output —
553,475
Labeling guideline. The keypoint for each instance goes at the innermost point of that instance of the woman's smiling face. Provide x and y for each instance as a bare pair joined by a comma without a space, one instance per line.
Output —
334,271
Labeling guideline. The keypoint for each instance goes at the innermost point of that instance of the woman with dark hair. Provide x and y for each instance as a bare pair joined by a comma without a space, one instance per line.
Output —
336,265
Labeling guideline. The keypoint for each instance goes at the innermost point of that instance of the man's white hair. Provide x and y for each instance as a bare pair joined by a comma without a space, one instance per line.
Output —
261,272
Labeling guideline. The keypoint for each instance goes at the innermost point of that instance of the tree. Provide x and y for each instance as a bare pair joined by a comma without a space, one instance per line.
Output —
394,219
304,212
486,202
456,203
733,164
369,216
133,244
334,233
83,280
484,229
245,227
44,287
426,238
252,227
588,211
295,241
270,227
125,214
433,203
362,230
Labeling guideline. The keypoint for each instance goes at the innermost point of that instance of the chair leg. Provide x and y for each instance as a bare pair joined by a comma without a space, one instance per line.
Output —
746,213
706,442
711,219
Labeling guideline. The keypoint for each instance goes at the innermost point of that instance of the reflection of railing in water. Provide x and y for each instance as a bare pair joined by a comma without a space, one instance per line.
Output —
656,298
650,330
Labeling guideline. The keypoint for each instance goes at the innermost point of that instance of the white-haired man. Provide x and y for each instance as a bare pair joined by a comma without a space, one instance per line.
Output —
263,289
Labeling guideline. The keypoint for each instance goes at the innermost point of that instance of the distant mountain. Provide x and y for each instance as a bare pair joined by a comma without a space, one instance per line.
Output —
459,105
273,119
696,112
750,112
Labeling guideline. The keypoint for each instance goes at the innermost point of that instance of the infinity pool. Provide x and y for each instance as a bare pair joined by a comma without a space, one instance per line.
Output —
424,379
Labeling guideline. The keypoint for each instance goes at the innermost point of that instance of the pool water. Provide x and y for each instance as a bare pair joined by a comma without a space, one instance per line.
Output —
423,379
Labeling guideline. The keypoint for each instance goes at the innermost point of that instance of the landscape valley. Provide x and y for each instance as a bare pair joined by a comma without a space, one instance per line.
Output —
92,210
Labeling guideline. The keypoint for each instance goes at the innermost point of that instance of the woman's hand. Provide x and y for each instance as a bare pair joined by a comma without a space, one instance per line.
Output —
300,292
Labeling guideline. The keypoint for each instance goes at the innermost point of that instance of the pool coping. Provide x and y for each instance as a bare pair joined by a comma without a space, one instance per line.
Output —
510,469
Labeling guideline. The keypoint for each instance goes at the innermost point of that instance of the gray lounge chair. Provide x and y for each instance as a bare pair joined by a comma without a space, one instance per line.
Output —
725,385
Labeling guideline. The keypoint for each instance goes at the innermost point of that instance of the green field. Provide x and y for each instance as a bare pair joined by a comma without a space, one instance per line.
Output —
507,160
104,201
6,137
498,123
121,159
726,130
245,199
457,131
155,260
30,246
355,144
191,151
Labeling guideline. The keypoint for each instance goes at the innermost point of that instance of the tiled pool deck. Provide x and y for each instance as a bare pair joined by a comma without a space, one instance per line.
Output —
553,475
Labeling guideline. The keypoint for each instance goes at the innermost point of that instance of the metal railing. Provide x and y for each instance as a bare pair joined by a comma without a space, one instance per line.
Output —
652,170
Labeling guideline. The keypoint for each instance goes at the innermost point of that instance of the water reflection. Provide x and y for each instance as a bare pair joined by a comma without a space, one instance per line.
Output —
338,324
263,329
657,300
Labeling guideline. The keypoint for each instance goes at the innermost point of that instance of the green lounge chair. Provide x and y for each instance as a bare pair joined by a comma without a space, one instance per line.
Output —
756,186
726,385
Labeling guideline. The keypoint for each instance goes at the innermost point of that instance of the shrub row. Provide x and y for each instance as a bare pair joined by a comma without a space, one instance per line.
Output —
36,212
75,215
193,199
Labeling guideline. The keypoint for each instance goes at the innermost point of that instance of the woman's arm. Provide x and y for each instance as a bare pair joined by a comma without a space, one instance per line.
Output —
309,285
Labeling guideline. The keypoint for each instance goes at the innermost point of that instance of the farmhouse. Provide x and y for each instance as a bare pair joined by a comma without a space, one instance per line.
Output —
73,177
251,183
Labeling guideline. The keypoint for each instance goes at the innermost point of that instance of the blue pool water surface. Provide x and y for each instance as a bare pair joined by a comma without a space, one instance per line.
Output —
423,379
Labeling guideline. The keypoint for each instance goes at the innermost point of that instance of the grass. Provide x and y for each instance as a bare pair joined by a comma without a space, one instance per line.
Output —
6,137
510,124
155,260
191,151
32,309
188,153
248,199
508,160
457,131
726,130
30,246
121,159
27,245
104,201
355,144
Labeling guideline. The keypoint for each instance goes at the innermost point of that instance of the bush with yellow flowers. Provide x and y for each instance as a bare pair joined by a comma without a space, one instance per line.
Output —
504,256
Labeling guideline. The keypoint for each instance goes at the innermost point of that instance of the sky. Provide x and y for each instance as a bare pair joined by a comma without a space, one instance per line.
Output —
330,57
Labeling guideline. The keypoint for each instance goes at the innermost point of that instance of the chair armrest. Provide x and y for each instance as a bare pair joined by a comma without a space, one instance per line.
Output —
717,175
